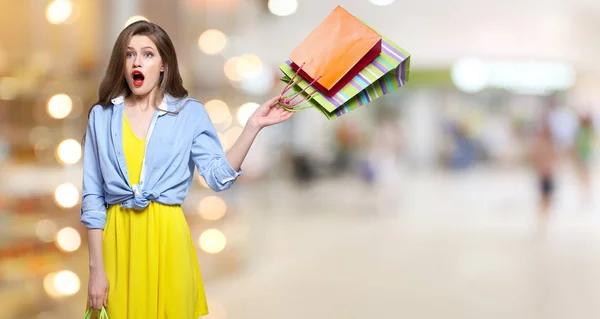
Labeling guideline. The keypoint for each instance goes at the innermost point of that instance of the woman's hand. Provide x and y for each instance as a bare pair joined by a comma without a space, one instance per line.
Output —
269,113
97,289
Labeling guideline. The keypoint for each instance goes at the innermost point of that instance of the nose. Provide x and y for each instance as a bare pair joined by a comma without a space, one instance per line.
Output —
136,61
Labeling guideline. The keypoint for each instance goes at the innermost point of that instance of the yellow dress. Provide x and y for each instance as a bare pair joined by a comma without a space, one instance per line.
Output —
149,255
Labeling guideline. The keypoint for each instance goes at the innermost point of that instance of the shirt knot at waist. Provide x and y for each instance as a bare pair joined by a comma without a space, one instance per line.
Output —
141,199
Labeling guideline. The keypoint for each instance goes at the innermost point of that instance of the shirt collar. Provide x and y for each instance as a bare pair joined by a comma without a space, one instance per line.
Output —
168,103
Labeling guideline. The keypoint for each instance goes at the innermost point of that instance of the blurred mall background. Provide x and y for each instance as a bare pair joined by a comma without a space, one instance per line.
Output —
425,203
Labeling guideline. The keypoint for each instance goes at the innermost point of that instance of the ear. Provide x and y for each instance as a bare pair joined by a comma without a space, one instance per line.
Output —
162,68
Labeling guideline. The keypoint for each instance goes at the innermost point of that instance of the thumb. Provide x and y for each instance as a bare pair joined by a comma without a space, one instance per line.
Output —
272,101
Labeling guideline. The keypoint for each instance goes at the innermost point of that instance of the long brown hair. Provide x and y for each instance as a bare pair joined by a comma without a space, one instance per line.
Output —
114,83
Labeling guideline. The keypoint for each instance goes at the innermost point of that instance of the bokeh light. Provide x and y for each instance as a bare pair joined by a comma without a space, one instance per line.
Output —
212,208
245,111
249,66
212,241
260,85
470,75
60,106
382,2
45,230
212,41
59,11
219,113
231,71
66,195
69,152
133,19
283,8
67,282
50,285
62,284
68,239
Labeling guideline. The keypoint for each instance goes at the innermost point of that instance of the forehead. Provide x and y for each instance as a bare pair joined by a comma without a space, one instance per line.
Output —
141,41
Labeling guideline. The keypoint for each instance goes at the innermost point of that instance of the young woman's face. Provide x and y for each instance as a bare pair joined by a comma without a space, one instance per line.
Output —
143,65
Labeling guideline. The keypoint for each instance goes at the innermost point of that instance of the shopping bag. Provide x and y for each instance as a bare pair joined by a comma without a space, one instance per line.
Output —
336,51
390,70
103,314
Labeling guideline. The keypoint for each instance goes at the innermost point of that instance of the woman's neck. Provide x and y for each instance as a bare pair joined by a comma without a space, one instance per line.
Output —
145,102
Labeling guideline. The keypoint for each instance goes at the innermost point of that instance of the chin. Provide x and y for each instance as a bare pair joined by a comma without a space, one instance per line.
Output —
140,91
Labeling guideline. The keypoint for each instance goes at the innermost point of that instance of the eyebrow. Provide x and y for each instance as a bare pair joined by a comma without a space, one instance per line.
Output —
146,47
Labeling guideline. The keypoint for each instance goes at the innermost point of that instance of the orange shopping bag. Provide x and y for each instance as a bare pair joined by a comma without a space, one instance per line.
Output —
336,51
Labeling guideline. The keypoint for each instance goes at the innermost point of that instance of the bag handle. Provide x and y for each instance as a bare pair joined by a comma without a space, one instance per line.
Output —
288,101
103,314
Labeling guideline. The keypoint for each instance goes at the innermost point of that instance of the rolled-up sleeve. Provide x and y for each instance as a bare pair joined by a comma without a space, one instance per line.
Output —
209,157
93,205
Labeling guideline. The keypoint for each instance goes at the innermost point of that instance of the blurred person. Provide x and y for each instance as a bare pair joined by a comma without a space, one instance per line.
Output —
583,150
143,140
383,163
464,152
347,140
302,168
544,156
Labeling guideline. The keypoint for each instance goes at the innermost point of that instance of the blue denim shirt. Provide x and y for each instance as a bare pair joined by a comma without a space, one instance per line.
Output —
175,145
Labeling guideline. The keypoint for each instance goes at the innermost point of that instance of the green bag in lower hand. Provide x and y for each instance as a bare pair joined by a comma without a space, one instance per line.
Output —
103,314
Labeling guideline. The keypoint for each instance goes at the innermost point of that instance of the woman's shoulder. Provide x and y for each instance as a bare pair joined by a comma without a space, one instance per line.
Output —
189,106
99,110
99,115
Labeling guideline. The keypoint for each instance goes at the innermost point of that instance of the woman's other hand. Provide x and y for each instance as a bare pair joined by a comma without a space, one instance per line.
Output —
97,289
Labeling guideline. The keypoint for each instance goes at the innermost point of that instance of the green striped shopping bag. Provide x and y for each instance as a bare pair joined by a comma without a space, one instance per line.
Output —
389,71
102,313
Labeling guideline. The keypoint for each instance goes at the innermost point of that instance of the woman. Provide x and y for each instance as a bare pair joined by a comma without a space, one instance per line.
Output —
144,139
545,156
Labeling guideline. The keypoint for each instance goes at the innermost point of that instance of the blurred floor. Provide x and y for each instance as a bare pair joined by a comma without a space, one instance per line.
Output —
419,245
454,246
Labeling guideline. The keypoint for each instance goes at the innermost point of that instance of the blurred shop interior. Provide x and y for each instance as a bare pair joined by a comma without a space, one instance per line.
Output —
405,181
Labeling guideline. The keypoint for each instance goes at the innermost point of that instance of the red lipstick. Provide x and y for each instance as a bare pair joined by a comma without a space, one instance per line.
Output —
138,78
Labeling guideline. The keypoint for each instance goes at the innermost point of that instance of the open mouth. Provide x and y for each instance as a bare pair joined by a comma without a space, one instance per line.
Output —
138,78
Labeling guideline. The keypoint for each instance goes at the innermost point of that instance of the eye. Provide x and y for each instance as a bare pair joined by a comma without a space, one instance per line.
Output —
148,55
129,54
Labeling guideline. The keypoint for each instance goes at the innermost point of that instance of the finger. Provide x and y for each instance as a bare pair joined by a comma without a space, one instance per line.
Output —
98,303
106,297
272,101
